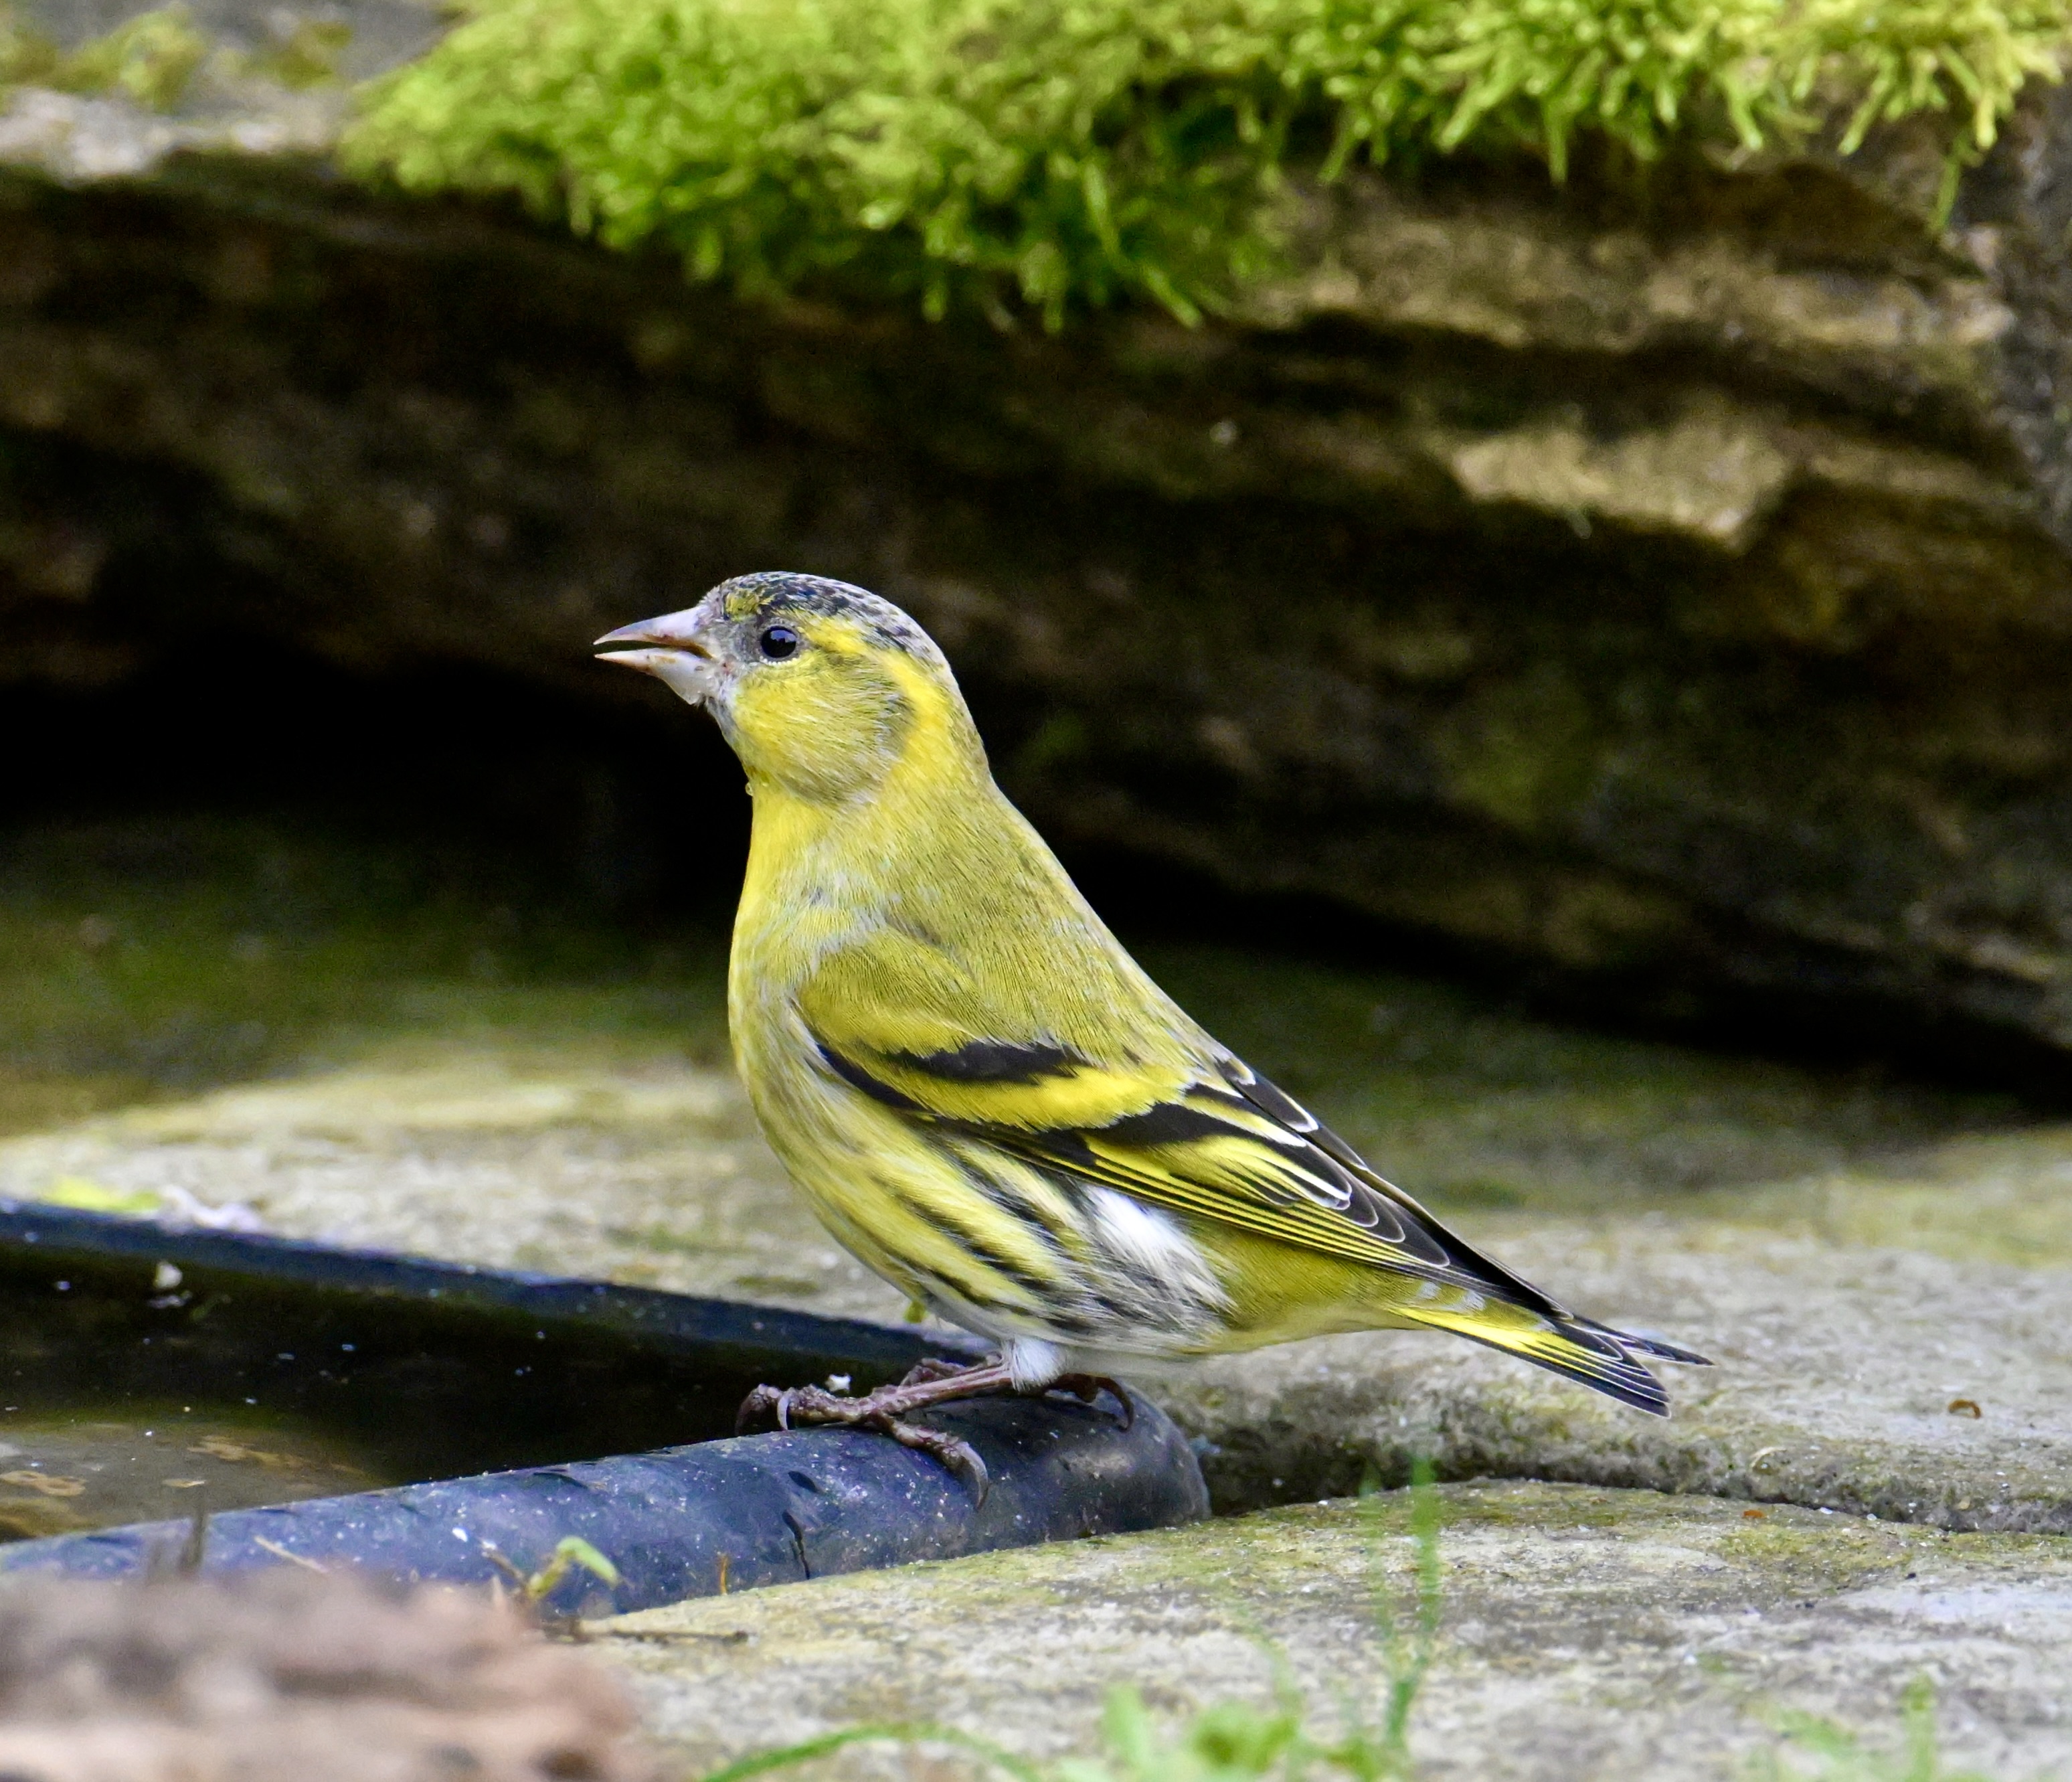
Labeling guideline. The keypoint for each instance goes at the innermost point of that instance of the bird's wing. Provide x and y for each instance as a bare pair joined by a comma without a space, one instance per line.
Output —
1171,1120
1178,1122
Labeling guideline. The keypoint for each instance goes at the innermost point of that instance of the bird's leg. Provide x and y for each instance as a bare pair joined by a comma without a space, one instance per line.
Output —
932,1367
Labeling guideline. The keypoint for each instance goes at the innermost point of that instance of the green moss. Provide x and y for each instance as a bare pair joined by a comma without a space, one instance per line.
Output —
305,56
1063,152
155,58
1801,1553
26,53
151,58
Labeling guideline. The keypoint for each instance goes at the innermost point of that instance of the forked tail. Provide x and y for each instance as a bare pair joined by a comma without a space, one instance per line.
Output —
1581,1348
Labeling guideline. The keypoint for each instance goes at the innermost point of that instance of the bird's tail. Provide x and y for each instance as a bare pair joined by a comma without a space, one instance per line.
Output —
1581,1348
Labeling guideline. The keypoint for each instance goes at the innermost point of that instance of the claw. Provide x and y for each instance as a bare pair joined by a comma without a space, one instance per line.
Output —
759,1405
1088,1387
953,1452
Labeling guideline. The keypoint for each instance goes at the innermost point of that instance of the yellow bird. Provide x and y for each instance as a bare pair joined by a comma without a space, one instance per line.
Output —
986,1100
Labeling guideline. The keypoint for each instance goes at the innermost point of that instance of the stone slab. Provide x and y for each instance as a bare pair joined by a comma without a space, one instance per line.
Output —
638,1167
1584,1634
1837,1369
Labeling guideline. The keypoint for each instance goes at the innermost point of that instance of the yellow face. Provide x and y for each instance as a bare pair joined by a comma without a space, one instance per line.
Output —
816,684
825,722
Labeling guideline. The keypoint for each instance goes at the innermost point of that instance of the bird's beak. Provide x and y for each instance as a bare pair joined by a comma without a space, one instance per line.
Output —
672,632
667,647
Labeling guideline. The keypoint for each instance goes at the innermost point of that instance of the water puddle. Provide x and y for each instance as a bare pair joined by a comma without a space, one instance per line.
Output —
135,1389
103,1466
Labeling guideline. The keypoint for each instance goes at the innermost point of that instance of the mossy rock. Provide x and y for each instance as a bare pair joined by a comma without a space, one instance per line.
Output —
1003,152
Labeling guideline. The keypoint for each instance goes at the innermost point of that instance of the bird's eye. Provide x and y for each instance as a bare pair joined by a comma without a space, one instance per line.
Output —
778,642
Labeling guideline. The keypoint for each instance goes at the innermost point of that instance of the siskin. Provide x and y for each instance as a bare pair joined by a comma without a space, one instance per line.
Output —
984,1097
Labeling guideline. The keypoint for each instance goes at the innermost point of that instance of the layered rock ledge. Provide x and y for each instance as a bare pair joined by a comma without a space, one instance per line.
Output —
1667,584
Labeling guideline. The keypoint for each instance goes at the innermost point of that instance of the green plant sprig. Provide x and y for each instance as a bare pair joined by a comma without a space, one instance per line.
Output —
1844,1756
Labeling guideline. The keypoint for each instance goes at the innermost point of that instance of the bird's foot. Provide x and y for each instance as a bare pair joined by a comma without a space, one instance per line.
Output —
932,1382
889,1411
802,1407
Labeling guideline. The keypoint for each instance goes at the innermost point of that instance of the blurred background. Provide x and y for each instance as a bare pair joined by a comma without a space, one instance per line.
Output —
1550,631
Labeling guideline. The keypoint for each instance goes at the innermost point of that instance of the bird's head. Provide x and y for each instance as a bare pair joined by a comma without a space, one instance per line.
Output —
818,686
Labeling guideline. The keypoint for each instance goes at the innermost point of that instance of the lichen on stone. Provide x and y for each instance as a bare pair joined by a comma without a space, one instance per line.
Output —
1068,153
